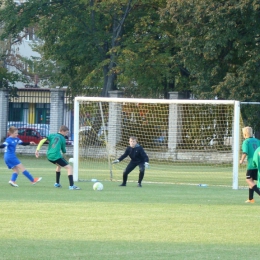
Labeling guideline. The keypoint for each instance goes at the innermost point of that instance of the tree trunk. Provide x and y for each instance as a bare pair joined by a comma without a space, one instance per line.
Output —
109,74
109,81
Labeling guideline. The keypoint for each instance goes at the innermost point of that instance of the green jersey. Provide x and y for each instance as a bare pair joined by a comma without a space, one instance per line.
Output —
256,162
248,147
57,144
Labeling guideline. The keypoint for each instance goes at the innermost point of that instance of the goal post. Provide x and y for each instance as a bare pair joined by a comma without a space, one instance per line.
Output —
187,141
236,142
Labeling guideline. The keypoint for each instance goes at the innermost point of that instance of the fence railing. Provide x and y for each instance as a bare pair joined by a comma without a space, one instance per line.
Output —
36,112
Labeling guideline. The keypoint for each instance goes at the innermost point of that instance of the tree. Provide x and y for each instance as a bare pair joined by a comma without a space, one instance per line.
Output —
104,45
7,79
219,46
80,36
145,63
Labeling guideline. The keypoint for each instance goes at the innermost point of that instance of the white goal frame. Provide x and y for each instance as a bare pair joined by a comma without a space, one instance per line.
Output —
236,124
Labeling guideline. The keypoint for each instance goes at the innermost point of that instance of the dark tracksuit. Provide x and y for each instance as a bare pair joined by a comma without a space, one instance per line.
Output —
138,157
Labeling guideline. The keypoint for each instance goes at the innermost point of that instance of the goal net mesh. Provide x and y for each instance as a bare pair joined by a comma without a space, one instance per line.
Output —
186,143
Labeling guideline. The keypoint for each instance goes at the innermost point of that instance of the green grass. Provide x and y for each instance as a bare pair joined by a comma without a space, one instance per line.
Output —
167,172
158,221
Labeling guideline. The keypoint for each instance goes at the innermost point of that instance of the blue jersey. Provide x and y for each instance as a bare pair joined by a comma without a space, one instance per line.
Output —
10,146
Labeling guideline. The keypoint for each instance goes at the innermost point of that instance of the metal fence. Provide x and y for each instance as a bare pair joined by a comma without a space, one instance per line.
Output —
30,111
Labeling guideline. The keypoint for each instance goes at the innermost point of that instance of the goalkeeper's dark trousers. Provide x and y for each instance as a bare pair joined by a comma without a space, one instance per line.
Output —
131,167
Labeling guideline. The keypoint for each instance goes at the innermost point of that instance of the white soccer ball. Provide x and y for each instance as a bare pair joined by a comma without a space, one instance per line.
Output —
98,186
71,160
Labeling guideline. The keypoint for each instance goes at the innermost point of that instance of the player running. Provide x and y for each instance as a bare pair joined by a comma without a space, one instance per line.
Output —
12,161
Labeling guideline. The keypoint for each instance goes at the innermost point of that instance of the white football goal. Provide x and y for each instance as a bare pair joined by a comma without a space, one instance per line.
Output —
187,141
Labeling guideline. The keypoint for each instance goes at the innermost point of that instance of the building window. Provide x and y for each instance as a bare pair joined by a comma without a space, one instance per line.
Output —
42,113
18,112
30,34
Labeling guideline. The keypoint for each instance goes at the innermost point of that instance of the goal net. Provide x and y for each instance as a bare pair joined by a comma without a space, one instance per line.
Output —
187,141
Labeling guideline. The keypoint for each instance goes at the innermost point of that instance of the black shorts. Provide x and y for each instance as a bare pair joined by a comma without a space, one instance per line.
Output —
252,174
61,162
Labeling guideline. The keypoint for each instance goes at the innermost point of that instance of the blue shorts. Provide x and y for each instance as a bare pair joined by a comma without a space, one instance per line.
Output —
11,162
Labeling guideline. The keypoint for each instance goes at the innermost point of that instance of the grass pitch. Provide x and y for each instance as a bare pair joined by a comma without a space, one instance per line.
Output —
158,221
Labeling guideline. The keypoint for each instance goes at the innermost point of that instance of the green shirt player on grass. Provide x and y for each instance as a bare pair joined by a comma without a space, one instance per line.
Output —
249,146
57,146
256,163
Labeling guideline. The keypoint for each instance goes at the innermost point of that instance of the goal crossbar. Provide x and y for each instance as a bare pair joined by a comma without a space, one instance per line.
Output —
153,101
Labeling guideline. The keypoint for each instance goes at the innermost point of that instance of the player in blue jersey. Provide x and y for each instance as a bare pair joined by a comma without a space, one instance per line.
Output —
249,145
138,158
11,159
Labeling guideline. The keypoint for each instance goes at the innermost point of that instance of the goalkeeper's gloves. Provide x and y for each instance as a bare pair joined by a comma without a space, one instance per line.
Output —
116,161
146,165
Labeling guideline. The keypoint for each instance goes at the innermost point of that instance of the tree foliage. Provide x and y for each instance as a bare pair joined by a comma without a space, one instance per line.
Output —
7,79
219,45
90,40
145,47
145,62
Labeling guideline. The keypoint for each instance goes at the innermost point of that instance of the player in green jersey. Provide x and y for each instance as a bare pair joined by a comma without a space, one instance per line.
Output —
249,146
256,162
57,146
